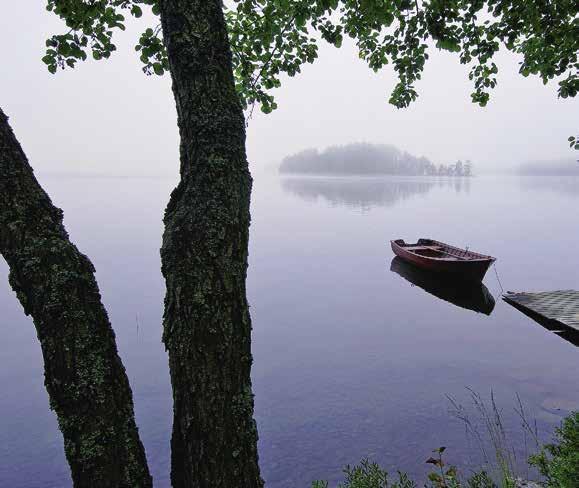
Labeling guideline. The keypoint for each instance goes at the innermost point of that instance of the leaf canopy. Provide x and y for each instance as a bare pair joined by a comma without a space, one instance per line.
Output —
270,38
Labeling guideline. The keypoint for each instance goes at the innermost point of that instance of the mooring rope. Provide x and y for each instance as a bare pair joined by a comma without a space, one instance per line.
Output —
498,279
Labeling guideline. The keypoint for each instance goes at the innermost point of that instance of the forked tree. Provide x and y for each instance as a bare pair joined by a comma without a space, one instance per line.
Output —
222,60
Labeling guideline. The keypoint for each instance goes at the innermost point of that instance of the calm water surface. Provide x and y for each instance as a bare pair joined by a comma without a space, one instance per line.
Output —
351,360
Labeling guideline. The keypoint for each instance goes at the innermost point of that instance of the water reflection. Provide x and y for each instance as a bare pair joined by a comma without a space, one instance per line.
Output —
348,356
472,296
568,334
366,193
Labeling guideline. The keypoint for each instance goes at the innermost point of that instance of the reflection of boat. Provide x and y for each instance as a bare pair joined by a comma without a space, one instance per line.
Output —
471,295
443,258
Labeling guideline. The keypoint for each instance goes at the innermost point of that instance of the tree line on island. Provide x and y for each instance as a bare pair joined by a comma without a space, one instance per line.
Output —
369,159
556,167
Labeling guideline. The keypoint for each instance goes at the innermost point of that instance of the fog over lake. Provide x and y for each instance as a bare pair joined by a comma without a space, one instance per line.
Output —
350,359
355,355
107,117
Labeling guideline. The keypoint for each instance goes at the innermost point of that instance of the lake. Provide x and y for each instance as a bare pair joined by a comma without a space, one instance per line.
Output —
350,359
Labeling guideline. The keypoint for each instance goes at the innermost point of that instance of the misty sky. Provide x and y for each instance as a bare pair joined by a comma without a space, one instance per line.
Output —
108,117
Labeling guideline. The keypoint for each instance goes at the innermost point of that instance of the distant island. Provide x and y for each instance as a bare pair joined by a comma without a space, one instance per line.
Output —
368,159
560,167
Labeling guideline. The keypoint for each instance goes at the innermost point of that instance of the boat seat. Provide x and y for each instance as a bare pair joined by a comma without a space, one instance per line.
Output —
437,249
422,248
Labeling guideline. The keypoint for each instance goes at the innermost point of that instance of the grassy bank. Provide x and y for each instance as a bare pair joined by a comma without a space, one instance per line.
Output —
557,463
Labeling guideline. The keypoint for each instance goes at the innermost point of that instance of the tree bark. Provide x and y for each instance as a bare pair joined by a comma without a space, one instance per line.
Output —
207,326
84,376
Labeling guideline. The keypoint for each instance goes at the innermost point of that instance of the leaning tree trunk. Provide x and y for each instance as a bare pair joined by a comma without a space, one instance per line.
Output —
84,376
207,327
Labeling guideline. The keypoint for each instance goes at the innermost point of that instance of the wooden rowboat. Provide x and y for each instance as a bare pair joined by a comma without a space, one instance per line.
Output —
443,258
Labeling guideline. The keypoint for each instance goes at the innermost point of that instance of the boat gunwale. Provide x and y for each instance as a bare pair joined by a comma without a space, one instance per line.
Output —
478,258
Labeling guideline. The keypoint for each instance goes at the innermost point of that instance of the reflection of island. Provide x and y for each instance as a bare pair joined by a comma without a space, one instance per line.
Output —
472,296
367,192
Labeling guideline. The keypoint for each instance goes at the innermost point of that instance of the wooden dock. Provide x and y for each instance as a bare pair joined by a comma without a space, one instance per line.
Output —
557,311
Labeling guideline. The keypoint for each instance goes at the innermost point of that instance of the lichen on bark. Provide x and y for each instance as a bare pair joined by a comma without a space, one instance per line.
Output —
207,326
84,376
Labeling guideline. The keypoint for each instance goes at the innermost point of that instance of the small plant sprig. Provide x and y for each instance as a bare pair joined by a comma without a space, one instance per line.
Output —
442,478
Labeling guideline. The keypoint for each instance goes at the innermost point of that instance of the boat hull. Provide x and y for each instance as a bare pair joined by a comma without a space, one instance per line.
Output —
471,270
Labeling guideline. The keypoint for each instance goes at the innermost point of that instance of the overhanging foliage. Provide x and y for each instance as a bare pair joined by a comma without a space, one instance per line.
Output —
270,38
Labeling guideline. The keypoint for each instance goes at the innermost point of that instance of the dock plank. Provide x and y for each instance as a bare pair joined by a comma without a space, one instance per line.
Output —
561,306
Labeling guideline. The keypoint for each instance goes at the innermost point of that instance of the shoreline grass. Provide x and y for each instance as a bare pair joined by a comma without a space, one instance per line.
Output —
556,464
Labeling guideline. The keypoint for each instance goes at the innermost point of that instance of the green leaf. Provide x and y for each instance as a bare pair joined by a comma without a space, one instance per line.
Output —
136,11
434,477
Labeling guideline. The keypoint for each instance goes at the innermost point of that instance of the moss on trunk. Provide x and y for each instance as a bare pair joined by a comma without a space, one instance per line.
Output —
207,326
84,376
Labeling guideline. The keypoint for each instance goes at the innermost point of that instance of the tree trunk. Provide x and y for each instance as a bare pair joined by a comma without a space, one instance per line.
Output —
207,327
85,379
